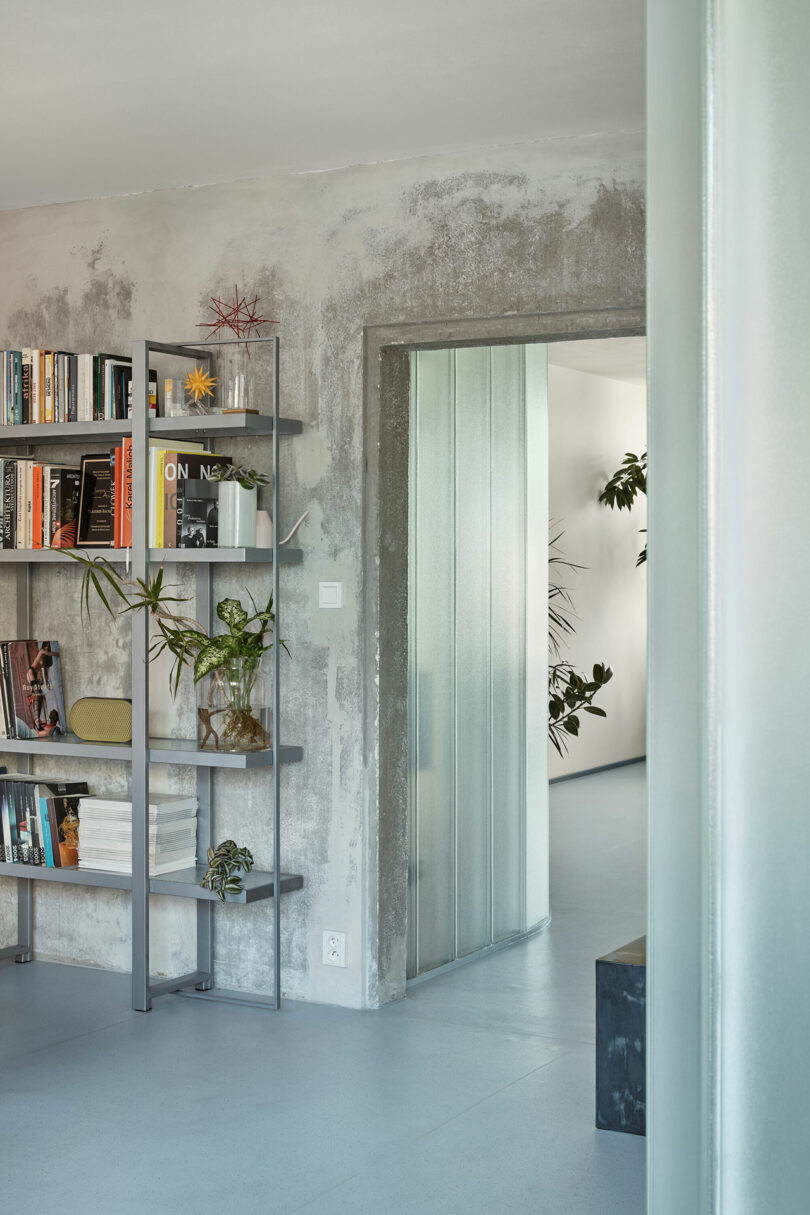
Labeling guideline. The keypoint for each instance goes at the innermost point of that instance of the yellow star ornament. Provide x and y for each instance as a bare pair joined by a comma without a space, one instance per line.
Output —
200,384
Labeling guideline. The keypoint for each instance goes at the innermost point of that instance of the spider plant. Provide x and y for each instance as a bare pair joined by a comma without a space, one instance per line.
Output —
188,641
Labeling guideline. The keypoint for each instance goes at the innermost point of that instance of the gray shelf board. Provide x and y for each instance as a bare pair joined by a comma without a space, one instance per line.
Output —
185,751
189,556
185,883
229,425
232,556
69,745
74,877
17,556
66,432
161,751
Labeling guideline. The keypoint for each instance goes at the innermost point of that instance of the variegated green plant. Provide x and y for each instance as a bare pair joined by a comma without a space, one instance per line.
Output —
224,863
186,639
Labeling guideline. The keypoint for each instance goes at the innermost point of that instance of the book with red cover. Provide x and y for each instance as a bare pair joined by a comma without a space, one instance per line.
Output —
118,498
36,507
126,495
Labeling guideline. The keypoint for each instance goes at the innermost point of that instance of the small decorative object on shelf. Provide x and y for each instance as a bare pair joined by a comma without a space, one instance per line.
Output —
224,863
105,719
233,708
199,385
237,504
240,317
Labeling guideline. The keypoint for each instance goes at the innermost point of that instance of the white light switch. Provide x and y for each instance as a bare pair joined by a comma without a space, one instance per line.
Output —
330,594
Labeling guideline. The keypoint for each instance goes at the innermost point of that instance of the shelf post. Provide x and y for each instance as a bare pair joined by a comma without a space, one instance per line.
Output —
276,696
141,996
25,887
205,909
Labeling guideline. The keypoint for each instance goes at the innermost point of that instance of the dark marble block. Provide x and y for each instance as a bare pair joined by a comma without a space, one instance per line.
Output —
621,1005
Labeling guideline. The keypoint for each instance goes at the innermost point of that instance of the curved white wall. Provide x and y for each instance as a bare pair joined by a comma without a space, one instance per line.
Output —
593,421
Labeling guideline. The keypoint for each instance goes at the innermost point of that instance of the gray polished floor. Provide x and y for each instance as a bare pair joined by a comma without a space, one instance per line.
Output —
473,1096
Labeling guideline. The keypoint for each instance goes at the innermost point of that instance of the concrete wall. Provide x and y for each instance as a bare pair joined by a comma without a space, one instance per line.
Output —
529,228
593,421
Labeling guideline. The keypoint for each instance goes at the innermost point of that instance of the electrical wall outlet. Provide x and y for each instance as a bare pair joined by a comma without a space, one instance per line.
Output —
334,949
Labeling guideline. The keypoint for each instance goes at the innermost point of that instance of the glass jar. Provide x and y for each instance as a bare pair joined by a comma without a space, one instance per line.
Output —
236,376
234,712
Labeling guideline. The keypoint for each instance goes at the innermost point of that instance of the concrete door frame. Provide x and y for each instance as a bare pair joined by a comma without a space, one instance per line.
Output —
385,597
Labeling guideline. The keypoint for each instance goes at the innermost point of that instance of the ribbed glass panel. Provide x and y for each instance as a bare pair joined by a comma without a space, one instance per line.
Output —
473,726
477,666
536,658
508,462
432,653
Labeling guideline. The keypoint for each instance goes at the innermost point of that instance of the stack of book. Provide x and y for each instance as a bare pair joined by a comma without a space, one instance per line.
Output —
105,837
57,386
32,704
39,820
39,502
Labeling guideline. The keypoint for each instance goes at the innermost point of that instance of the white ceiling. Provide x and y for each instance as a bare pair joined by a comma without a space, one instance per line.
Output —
622,359
103,97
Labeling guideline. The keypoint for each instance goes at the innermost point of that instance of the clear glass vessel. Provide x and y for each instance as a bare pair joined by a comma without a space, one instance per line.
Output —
234,711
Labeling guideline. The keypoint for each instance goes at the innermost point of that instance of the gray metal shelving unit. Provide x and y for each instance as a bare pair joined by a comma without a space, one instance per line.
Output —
143,750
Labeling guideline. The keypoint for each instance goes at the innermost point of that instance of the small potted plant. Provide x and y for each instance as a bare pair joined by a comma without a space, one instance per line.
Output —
237,504
233,705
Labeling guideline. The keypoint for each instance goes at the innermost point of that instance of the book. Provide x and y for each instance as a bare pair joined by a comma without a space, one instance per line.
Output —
9,502
64,823
188,468
199,521
156,446
34,702
95,514
64,484
126,494
36,505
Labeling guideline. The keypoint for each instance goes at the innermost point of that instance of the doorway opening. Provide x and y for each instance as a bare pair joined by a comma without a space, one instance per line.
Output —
388,353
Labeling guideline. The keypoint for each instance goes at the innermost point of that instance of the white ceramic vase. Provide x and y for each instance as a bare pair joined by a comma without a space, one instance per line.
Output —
237,516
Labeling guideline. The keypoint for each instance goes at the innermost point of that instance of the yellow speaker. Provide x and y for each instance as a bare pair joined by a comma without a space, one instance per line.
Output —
102,719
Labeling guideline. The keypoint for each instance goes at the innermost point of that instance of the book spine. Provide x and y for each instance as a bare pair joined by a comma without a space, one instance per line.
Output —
29,503
73,388
9,503
26,386
35,369
118,496
8,699
47,831
170,500
53,832
49,386
20,519
96,401
41,404
14,836
6,824
126,515
36,507
160,512
17,416
36,854
46,507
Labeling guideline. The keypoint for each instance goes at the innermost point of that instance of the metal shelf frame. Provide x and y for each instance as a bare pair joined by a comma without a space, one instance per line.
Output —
144,750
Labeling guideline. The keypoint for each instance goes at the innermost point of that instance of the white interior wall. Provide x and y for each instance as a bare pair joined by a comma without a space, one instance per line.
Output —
593,421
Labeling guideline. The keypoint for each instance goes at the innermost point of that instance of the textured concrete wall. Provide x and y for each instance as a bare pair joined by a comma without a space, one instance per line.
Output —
530,228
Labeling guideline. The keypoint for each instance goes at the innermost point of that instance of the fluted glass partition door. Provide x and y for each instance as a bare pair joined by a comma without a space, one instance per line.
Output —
477,614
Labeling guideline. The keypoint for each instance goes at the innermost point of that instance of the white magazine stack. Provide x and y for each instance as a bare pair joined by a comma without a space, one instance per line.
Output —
105,833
